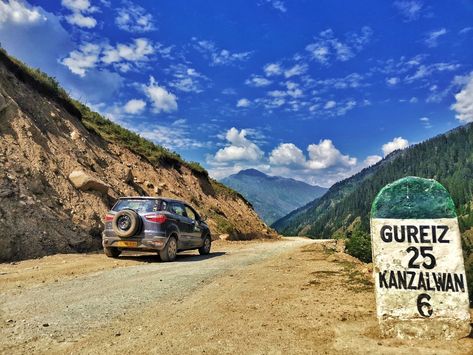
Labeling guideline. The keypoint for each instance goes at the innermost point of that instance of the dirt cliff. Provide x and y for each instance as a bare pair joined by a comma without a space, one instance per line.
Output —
43,140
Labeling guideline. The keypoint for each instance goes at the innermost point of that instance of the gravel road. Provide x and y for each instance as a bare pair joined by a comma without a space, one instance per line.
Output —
275,297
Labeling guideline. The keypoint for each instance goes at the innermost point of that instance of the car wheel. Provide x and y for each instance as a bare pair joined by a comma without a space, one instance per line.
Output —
112,252
169,252
205,249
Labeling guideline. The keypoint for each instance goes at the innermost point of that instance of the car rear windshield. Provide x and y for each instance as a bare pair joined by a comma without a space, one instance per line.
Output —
138,205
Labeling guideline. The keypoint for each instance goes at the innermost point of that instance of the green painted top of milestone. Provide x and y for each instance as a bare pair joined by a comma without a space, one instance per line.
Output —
413,198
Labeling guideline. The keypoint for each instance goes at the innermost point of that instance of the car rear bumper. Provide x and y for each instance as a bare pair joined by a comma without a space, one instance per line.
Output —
148,243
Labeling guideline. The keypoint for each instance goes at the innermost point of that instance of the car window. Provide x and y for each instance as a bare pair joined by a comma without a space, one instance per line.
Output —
191,213
138,205
178,209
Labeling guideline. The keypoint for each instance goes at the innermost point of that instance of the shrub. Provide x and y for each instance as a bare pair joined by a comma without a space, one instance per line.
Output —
359,245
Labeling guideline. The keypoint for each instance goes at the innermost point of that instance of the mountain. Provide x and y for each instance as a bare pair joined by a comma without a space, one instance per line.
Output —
448,158
272,196
62,166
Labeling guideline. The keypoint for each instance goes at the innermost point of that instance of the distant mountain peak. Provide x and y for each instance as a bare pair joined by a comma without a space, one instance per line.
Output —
251,172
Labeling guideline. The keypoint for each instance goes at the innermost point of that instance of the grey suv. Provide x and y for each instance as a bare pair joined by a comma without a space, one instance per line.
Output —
154,224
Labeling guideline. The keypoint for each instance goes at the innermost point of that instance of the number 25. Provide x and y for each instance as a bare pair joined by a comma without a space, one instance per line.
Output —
424,251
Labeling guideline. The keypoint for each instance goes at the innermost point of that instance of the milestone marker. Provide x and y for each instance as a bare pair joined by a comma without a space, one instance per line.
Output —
421,288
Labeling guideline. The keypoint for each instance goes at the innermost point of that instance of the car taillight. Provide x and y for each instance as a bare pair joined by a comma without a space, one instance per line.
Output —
156,218
109,217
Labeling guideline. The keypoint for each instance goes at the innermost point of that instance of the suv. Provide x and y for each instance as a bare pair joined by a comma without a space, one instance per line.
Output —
154,224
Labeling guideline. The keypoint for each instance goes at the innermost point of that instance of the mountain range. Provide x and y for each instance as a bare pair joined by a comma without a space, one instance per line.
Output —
272,196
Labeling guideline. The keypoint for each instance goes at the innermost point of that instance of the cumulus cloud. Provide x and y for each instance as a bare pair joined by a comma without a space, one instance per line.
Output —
287,154
257,81
328,47
463,105
272,69
432,37
19,13
162,100
330,104
243,103
409,9
325,155
123,56
238,148
392,81
81,10
83,59
219,56
396,144
372,160
133,18
297,69
187,79
277,5
134,106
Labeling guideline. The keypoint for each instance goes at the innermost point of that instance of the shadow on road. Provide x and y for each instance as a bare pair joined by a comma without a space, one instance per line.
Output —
184,257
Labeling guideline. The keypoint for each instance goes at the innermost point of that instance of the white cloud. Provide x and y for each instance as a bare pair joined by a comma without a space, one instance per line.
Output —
19,13
272,69
239,148
464,100
324,155
243,103
162,100
134,106
297,69
219,56
425,122
432,37
425,70
133,18
392,81
187,79
395,144
123,56
287,154
83,59
330,104
80,10
257,81
372,160
327,47
277,5
409,9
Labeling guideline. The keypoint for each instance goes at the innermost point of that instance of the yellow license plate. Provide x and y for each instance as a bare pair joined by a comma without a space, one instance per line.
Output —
122,243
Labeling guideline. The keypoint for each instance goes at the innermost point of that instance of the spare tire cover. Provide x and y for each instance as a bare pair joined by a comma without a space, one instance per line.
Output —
126,223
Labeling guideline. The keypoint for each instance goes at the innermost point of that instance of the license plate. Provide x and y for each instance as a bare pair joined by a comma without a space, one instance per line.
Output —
122,243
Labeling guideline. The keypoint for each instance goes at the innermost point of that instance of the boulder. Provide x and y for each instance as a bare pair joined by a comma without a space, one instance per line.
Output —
224,236
128,177
85,182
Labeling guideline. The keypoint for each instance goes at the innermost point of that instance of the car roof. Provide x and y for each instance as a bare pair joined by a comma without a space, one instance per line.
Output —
151,198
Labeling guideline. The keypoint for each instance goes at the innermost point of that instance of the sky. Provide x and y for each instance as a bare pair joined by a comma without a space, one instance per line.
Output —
312,90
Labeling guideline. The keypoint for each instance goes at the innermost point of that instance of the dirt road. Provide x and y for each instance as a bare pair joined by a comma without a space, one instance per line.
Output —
289,296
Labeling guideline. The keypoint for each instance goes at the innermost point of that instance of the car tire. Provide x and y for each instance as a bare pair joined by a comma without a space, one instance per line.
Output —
205,248
169,252
112,252
132,223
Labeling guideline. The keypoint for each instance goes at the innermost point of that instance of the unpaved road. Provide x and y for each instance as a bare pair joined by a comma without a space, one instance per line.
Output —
288,296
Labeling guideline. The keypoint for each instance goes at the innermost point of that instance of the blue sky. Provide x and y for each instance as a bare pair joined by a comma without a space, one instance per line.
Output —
314,90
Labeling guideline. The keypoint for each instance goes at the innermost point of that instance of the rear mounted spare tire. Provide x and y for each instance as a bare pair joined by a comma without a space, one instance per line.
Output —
126,223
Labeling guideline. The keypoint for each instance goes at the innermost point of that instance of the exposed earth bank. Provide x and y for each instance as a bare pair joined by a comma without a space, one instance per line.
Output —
289,296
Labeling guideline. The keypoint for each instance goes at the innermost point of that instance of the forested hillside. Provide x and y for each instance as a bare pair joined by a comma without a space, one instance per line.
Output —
447,158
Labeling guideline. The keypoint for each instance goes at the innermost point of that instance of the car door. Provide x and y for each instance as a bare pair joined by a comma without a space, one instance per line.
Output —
196,231
184,223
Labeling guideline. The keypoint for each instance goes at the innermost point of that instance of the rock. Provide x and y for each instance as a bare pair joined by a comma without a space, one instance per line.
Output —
85,182
75,135
36,186
224,236
149,184
158,191
340,246
162,185
264,231
128,177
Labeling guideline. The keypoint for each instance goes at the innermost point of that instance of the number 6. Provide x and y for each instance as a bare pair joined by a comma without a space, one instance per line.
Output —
421,304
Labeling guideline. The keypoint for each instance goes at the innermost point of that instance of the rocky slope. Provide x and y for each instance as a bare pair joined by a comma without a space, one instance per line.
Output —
272,196
43,140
